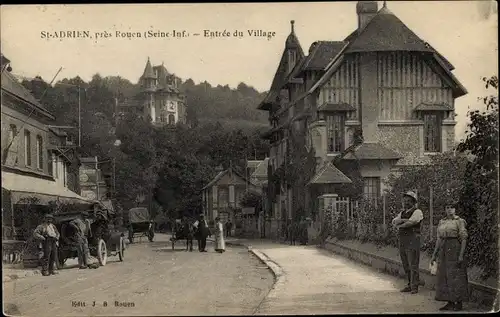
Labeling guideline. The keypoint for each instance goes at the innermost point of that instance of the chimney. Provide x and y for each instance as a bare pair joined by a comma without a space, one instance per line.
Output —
366,10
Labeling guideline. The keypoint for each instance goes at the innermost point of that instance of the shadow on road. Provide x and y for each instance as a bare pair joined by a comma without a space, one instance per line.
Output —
170,250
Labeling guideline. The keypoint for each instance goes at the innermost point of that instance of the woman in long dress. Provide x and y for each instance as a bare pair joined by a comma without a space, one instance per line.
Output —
452,283
220,244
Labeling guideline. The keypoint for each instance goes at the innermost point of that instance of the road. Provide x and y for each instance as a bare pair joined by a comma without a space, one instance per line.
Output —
153,280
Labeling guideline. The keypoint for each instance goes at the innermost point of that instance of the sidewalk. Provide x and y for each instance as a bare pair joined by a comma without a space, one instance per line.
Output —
315,281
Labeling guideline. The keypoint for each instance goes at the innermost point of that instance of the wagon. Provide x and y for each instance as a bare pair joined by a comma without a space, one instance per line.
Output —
178,233
102,241
139,224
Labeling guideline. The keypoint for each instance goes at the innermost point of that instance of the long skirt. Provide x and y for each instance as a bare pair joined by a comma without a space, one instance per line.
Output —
451,278
220,244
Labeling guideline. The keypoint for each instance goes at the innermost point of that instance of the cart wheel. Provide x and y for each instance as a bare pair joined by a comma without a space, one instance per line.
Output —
102,253
61,261
121,251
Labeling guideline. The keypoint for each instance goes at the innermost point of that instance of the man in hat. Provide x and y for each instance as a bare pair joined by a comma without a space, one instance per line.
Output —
408,222
81,227
202,232
48,235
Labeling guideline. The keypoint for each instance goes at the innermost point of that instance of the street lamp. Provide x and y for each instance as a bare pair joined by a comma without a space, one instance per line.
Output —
79,111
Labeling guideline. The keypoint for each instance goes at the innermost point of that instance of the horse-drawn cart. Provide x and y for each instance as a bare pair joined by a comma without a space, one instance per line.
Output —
139,224
102,241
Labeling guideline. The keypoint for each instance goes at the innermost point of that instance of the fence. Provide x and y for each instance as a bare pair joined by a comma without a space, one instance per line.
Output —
372,220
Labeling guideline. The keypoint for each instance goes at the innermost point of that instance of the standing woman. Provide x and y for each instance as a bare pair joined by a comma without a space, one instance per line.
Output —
220,244
451,284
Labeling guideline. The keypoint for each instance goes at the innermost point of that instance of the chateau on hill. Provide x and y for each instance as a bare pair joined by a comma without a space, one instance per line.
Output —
159,99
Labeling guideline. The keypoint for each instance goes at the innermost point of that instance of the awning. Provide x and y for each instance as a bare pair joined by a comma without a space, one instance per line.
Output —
42,190
340,107
433,107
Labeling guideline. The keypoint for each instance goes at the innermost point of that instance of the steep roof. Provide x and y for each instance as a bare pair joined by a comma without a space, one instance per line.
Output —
148,71
221,174
280,76
12,86
386,32
329,174
321,53
370,151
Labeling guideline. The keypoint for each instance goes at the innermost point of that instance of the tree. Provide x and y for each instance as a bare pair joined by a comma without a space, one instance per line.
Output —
480,195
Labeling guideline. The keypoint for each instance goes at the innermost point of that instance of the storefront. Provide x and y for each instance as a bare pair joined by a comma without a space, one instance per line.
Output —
25,199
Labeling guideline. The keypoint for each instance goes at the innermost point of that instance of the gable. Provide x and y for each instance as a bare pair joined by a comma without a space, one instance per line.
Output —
405,69
342,87
228,180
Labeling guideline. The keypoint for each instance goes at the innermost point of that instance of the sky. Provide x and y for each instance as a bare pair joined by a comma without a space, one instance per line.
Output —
463,31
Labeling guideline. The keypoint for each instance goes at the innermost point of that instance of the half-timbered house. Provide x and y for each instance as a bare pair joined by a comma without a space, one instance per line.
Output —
382,98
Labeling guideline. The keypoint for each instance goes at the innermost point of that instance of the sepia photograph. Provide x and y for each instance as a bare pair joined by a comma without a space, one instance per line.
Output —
279,158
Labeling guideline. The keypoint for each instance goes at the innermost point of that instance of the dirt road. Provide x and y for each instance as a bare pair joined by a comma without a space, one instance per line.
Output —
153,280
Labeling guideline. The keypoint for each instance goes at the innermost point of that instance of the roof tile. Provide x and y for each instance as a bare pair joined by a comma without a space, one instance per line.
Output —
11,85
370,151
329,174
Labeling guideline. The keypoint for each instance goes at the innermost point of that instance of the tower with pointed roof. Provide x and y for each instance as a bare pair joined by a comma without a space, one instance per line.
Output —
368,105
161,98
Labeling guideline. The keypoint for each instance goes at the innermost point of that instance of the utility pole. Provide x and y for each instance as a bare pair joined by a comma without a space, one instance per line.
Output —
114,178
97,177
79,119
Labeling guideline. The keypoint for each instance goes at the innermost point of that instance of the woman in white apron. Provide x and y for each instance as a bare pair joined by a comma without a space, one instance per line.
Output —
220,244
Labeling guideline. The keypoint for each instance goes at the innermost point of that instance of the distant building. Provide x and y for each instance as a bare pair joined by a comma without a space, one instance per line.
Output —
221,197
160,97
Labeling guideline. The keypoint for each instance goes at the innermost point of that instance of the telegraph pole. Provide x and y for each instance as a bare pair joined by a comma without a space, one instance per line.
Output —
79,119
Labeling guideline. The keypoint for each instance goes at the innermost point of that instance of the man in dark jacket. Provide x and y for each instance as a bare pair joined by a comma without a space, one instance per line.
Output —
81,228
202,232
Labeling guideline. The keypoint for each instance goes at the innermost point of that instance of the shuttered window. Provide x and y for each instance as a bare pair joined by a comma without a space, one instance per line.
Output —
432,132
335,132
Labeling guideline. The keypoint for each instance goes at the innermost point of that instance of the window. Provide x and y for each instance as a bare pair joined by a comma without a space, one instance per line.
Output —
223,197
12,132
171,119
335,133
371,188
27,148
39,151
163,118
432,132
50,163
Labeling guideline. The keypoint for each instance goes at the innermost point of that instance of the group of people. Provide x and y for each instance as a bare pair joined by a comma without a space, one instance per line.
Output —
48,237
449,251
296,231
201,231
